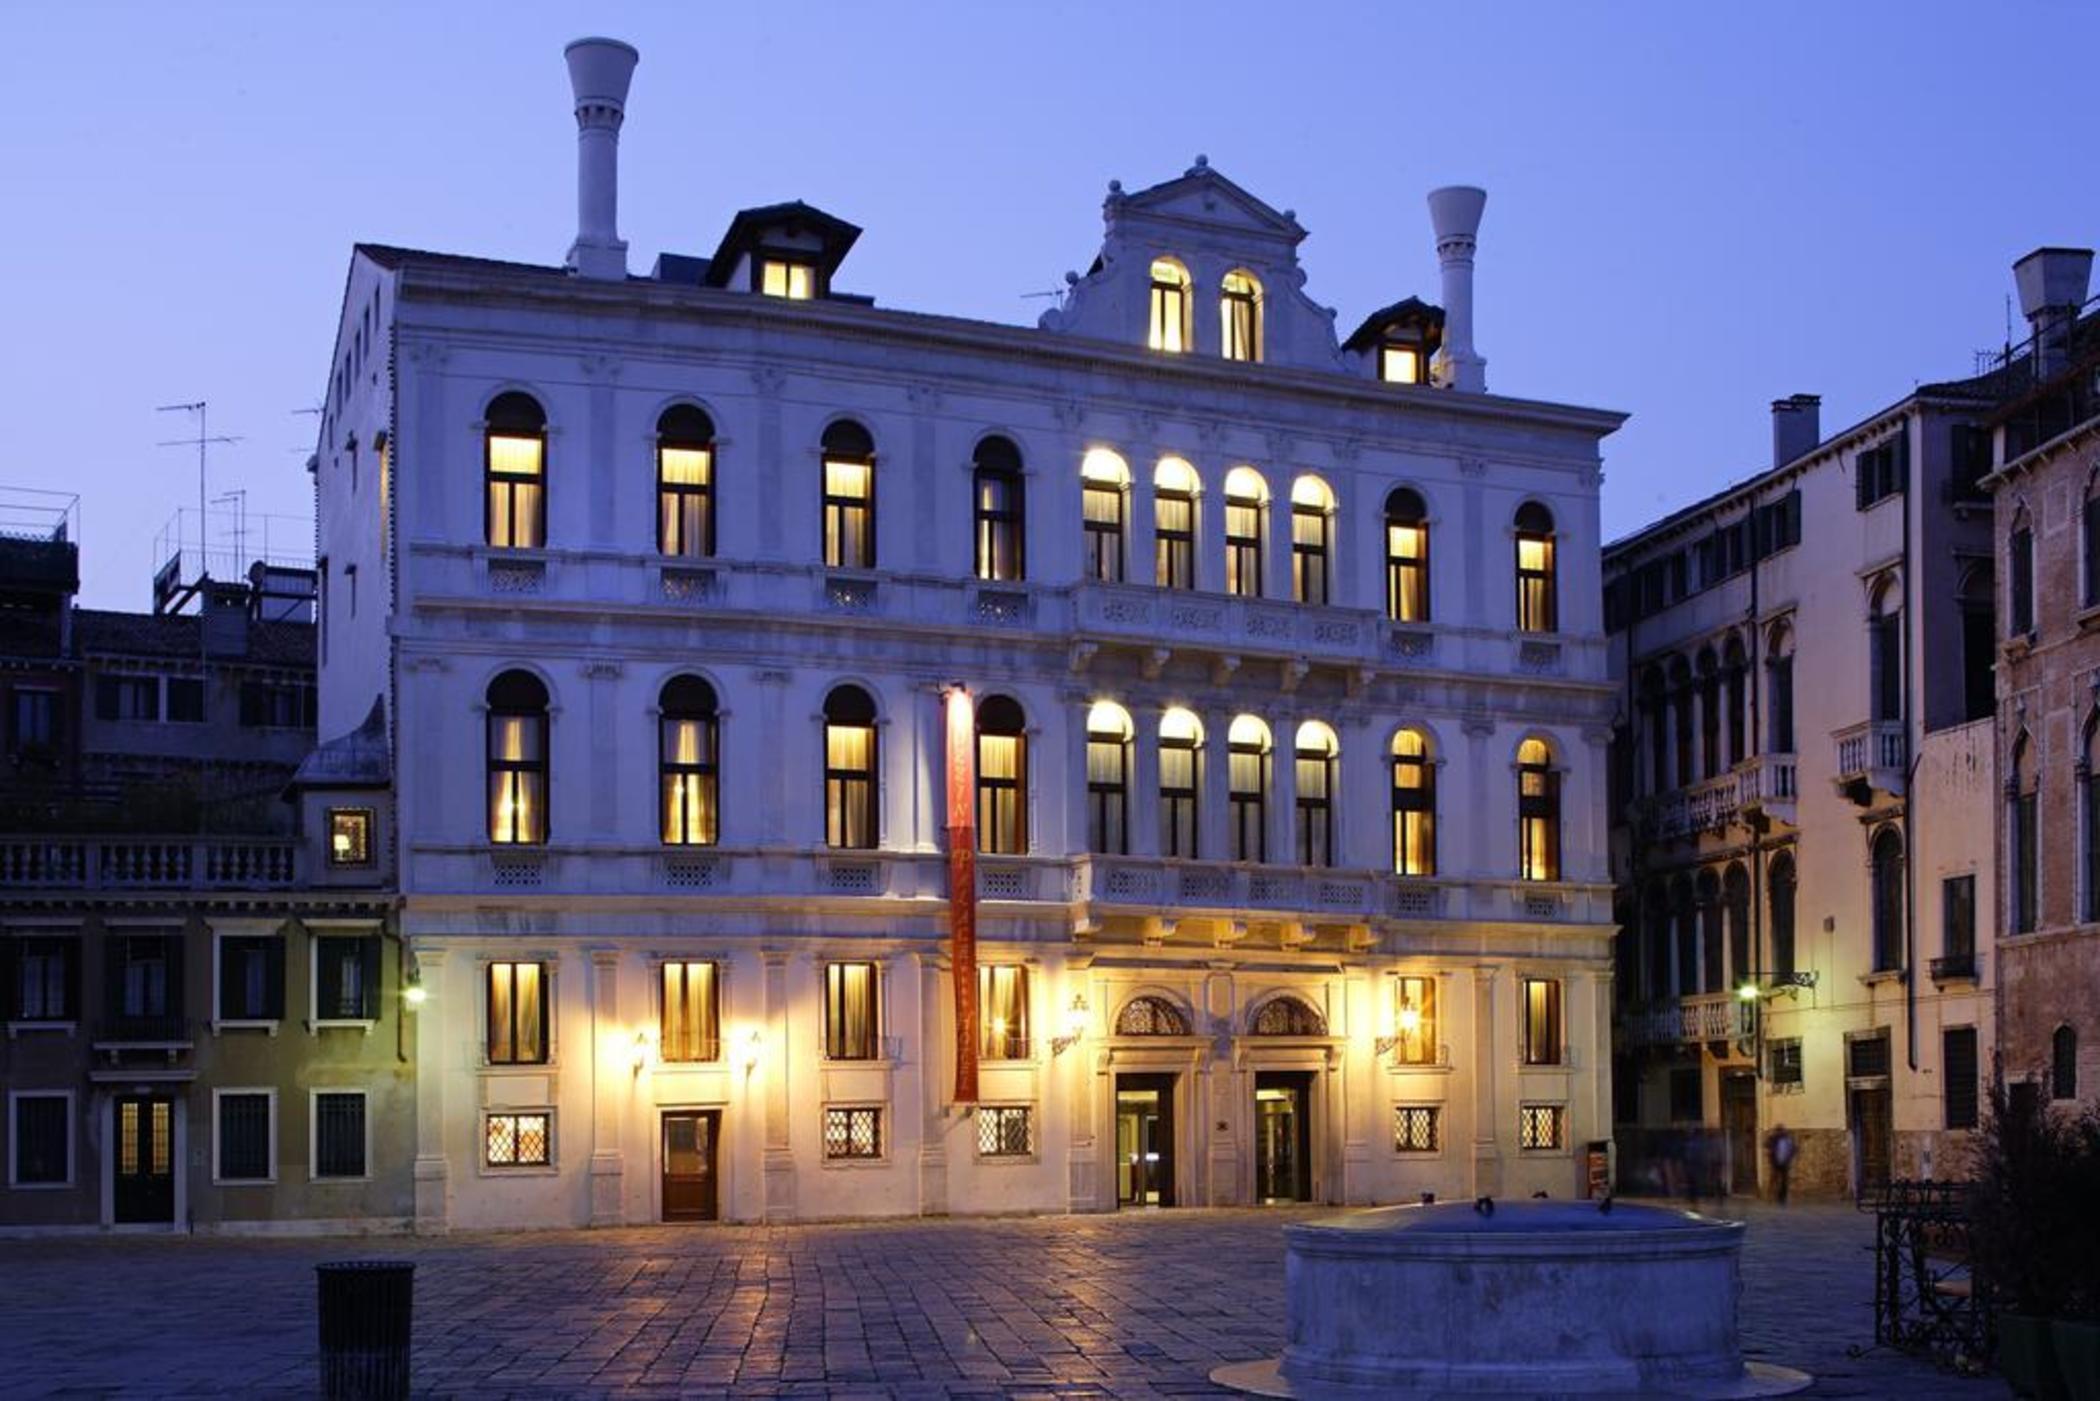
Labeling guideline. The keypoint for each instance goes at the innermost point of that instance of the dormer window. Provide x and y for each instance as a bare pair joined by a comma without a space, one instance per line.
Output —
781,277
1400,362
1170,306
1239,306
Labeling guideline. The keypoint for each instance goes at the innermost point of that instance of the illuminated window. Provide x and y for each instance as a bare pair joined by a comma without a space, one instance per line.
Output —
1400,364
1538,812
1151,1016
1002,777
1287,1016
349,836
1108,732
852,1012
517,759
1414,1128
996,486
515,457
853,1132
1312,515
518,1140
1414,805
1406,557
1239,307
1004,1131
1002,1011
1174,524
1538,602
1104,484
1542,1126
1542,1028
781,277
1414,1021
1246,497
1315,751
688,763
685,483
517,1014
690,1028
1180,744
1247,795
849,497
850,818
1170,306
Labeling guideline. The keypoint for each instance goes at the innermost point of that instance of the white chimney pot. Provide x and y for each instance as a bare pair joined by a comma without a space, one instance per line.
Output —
599,73
1454,212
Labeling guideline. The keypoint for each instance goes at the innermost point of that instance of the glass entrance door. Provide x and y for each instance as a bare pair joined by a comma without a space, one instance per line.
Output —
689,1164
1283,1136
145,1159
1144,1140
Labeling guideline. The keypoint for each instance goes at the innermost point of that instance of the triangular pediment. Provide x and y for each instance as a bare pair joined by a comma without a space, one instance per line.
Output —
1201,195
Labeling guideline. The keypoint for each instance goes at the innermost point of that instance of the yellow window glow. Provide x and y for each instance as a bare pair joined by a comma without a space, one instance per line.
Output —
1399,364
1170,306
793,281
517,457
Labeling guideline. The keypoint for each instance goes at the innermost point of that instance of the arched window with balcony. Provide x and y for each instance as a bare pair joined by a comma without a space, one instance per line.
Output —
1710,764
1247,781
1538,812
1885,652
1168,329
2019,574
517,759
1246,503
685,482
1316,751
849,496
1002,777
1406,556
2023,837
852,794
1684,919
514,459
1979,642
1683,698
1108,735
1312,538
1779,689
1735,899
1735,668
1711,946
1885,869
688,762
1781,880
997,490
1104,487
1655,716
1240,314
1180,785
1174,491
1414,805
1538,579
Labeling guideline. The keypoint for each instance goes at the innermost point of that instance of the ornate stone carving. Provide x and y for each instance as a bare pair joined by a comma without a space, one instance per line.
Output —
767,379
602,669
1472,466
923,397
599,365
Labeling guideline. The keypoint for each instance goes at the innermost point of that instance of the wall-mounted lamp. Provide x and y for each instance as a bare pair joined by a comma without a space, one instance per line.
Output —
1077,1018
412,990
754,1044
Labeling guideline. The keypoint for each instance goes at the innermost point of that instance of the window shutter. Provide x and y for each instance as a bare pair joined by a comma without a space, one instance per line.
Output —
177,1002
273,976
368,956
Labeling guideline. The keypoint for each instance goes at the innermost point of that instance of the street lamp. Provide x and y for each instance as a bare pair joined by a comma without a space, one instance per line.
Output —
1076,1019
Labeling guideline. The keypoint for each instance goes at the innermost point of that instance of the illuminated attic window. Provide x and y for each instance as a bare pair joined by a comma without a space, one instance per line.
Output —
1169,329
1399,342
788,251
782,277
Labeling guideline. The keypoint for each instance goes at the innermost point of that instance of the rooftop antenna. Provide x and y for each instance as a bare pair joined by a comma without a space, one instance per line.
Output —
238,499
202,443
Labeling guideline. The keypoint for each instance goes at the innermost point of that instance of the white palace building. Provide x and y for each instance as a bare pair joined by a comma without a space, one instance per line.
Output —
853,762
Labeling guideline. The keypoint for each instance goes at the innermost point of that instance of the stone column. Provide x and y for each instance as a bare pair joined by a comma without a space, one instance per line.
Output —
612,1086
1214,788
774,1070
1139,520
1364,804
603,469
1220,1098
1276,540
1144,780
1076,703
932,498
607,727
1087,1083
1488,607
1491,1048
432,1168
775,474
1494,796
929,973
1283,788
775,773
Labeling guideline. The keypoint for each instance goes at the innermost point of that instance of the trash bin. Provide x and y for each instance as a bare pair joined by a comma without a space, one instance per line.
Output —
366,1308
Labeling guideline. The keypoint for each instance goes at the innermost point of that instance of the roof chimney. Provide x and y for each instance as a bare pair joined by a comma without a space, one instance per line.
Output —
1797,426
2052,283
1454,212
599,71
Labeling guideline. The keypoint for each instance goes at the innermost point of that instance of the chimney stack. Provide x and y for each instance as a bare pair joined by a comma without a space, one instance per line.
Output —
1454,212
1797,426
2052,283
599,72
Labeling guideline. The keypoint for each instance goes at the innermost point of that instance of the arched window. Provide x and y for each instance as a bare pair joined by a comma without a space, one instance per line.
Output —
1734,666
996,485
1239,307
1655,982
1683,697
2089,544
1735,899
1151,1016
2063,1063
2088,777
1104,484
1711,946
2019,571
1781,879
849,496
1684,914
1885,652
851,817
1710,764
1414,805
515,458
1316,750
1002,777
1287,1016
685,482
1170,306
1538,591
1538,812
1180,746
1886,866
1246,498
1174,524
1779,689
1108,732
688,762
1979,642
1406,556
1655,714
1247,785
1312,530
517,759
2022,837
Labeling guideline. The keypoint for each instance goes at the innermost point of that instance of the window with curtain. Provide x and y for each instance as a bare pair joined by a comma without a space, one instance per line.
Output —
1002,1011
1886,871
1315,752
1247,785
517,759
1414,805
1538,812
1239,307
852,1016
1104,483
514,448
1245,499
690,1026
1414,1021
850,791
1312,526
1543,1028
346,977
517,1014
1169,328
1108,734
1538,601
996,488
688,762
1406,556
849,496
1180,750
685,483
1174,524
1002,777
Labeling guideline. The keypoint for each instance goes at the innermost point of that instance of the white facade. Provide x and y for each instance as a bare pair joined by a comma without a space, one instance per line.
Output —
602,619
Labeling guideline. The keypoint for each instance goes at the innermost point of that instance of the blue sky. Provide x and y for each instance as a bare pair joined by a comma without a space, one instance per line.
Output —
1693,208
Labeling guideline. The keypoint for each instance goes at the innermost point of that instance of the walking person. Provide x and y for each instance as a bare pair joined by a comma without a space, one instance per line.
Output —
1781,1147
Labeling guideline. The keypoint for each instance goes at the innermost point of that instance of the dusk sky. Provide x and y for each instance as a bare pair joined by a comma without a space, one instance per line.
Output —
1692,209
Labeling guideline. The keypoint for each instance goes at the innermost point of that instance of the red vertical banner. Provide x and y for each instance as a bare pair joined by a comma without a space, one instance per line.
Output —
962,884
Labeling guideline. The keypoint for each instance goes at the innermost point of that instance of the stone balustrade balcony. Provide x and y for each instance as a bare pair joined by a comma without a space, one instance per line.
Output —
1707,1016
1873,755
146,863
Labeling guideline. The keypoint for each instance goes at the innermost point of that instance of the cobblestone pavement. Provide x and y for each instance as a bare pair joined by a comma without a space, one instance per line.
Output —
1093,1306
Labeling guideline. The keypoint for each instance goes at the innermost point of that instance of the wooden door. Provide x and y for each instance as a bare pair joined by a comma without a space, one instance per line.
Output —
1872,1139
690,1138
1739,1124
144,1155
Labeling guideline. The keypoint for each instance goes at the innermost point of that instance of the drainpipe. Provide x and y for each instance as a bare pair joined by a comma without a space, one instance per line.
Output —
1910,777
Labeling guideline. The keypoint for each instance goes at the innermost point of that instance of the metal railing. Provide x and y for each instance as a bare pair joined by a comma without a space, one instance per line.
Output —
143,1029
1926,1296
